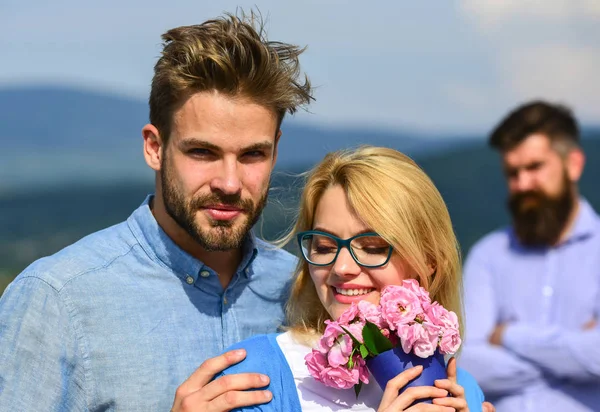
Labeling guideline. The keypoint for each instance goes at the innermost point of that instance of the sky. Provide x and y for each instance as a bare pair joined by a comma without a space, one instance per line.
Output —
451,66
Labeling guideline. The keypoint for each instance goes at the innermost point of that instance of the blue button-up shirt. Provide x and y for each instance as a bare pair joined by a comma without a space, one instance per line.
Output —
549,360
117,321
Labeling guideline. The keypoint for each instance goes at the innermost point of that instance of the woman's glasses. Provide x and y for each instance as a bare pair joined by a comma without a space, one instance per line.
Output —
322,249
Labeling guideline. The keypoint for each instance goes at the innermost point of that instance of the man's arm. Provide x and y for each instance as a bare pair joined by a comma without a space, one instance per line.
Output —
497,370
565,354
39,365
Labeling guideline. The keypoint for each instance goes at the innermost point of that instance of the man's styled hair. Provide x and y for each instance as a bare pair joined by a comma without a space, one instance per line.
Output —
552,120
396,199
230,55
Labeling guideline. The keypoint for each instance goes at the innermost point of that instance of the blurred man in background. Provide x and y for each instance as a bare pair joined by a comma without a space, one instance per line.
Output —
532,291
118,320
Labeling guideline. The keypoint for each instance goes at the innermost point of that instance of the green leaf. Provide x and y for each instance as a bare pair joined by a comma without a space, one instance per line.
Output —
364,352
357,388
374,340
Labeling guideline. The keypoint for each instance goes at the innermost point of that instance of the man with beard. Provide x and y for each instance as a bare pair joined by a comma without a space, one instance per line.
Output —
121,319
532,291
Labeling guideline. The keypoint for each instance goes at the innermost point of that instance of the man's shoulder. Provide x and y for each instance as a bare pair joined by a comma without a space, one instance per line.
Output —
92,253
499,239
274,255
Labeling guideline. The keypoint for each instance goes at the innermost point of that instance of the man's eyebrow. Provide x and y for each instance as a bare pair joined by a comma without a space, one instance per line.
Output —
266,145
195,142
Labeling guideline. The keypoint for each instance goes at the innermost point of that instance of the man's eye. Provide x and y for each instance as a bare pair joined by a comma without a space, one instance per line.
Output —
255,154
200,152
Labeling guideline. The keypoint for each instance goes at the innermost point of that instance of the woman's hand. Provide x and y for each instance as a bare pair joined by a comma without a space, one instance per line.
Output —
392,402
457,400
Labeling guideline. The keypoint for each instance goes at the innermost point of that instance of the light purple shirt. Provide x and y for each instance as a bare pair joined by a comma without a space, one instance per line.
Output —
547,362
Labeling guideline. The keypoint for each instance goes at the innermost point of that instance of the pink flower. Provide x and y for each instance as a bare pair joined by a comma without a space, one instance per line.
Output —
339,353
422,339
349,315
399,306
331,333
370,312
449,329
450,341
440,316
426,342
340,377
413,286
316,363
363,371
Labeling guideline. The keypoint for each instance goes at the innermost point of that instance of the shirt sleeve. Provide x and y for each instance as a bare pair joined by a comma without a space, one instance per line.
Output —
259,349
565,354
473,393
497,370
38,361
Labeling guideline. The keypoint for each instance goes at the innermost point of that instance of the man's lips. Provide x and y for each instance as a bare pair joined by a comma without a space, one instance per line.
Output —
223,212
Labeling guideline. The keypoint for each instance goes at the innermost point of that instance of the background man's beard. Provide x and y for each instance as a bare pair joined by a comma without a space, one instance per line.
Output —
539,219
222,235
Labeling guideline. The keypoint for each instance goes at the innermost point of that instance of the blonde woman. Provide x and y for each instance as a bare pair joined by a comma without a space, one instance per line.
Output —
381,196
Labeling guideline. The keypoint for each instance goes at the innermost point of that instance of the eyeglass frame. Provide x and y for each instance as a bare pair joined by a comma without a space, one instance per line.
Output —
341,243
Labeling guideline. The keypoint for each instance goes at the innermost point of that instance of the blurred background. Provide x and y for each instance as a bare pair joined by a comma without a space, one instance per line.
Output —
429,78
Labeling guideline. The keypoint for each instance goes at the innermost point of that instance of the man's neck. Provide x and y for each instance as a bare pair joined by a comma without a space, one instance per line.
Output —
225,263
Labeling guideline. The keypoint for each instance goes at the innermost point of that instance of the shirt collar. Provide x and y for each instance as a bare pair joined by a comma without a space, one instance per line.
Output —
161,248
586,223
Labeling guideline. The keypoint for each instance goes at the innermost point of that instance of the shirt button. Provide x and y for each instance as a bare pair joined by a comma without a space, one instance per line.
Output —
205,273
247,270
224,300
548,291
189,280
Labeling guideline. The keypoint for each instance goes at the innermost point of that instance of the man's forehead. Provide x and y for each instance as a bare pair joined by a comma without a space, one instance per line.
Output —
533,148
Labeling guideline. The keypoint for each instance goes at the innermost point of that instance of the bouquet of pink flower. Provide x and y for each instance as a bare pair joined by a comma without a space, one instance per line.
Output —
405,317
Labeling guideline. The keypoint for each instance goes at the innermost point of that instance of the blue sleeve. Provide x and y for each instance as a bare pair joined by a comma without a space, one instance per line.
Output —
39,365
263,355
473,392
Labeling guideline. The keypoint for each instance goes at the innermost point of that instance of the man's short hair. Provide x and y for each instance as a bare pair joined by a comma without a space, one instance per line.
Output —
230,55
538,117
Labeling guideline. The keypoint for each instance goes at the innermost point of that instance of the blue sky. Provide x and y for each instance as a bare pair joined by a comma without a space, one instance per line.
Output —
433,66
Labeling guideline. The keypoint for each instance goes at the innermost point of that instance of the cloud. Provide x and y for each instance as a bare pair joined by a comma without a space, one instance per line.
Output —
492,13
557,72
542,49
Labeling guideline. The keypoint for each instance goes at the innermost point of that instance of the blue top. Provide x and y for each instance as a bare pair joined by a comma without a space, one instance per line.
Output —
548,361
264,355
121,318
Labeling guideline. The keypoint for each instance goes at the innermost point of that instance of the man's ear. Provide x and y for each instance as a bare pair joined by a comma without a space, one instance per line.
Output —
276,147
153,146
575,162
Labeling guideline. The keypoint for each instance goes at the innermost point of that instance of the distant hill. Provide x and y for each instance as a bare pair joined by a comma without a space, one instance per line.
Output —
52,135
71,164
40,222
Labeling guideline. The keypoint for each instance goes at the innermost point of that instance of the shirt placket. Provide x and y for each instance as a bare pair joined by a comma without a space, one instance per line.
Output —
548,291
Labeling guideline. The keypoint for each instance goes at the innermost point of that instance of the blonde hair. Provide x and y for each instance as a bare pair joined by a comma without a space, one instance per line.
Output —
232,56
396,199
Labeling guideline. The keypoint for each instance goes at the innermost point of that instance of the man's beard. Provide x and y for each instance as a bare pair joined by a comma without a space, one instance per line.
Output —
222,235
539,219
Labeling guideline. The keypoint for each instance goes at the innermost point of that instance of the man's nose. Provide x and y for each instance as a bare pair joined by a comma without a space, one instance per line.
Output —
227,179
524,181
